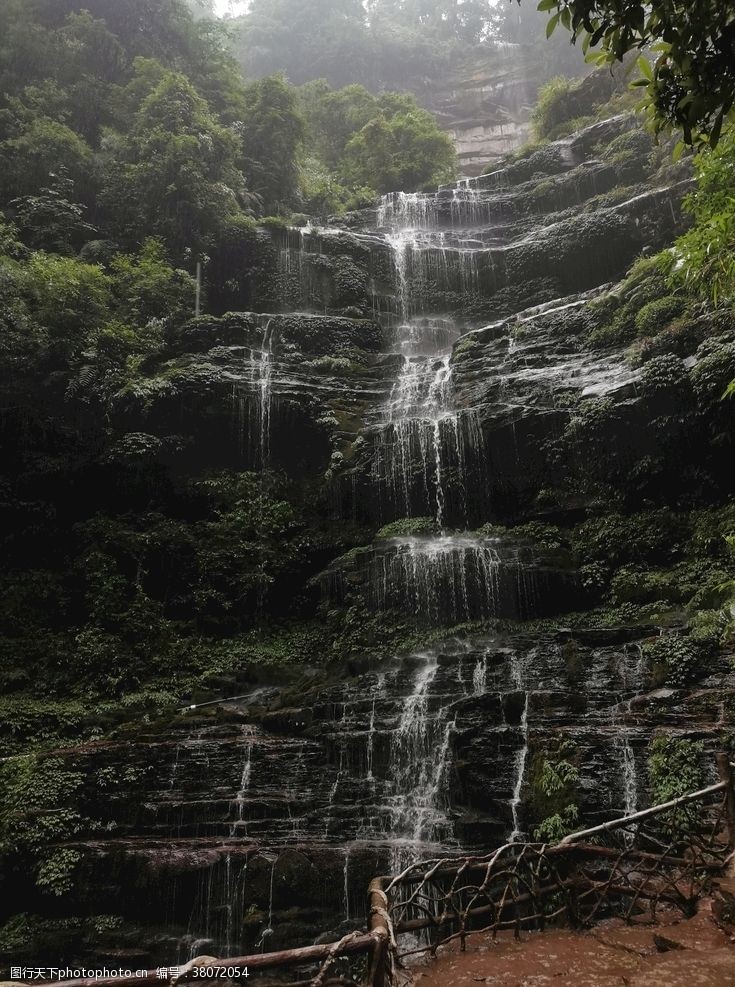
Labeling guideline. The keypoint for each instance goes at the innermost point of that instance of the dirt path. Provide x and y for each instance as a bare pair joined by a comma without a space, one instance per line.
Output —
691,953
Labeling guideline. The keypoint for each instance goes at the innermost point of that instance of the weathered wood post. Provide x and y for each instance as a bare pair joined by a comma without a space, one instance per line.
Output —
380,929
724,769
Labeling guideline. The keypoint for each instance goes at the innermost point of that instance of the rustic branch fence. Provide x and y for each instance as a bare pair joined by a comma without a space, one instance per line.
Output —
663,856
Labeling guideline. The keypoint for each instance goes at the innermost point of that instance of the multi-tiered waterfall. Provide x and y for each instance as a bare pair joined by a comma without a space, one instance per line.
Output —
413,361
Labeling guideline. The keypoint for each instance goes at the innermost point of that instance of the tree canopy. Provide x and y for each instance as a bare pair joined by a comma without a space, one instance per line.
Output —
691,83
384,44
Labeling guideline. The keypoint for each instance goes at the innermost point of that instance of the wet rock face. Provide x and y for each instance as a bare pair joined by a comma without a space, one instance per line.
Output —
416,365
453,579
246,820
394,402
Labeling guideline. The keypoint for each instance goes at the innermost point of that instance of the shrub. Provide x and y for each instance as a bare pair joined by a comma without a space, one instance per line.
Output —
681,658
38,811
674,767
658,314
707,250
553,105
617,539
664,373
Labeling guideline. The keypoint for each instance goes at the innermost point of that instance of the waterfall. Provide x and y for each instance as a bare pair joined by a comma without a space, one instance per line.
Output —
264,374
346,884
328,815
421,449
630,775
520,771
517,679
415,210
419,430
449,579
400,245
628,769
240,798
419,759
479,676
253,403
370,751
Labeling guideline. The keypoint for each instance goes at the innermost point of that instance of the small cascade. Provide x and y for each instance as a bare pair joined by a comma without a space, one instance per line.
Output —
174,768
453,578
401,244
242,793
264,376
470,207
253,403
346,884
520,773
628,770
370,751
421,439
268,931
215,917
407,210
343,732
296,267
631,678
517,679
479,676
419,759
630,774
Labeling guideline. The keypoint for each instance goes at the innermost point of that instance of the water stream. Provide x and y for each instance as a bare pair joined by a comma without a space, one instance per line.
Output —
369,776
419,758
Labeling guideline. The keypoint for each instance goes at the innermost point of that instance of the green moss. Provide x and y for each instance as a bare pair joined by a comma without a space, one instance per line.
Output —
616,312
629,153
655,316
274,223
465,347
408,526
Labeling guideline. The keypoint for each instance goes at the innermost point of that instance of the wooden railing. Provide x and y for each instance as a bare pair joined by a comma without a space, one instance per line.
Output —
663,856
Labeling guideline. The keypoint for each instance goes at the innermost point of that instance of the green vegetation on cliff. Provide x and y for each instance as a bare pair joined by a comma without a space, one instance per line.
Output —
190,503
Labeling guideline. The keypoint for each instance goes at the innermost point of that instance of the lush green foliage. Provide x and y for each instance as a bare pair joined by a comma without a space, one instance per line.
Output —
565,104
707,252
674,767
39,797
692,81
272,133
405,150
384,142
554,781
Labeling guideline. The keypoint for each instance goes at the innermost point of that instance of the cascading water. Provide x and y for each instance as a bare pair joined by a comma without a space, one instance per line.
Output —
264,382
421,447
479,676
242,793
452,578
516,670
437,750
420,431
253,403
419,757
520,772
